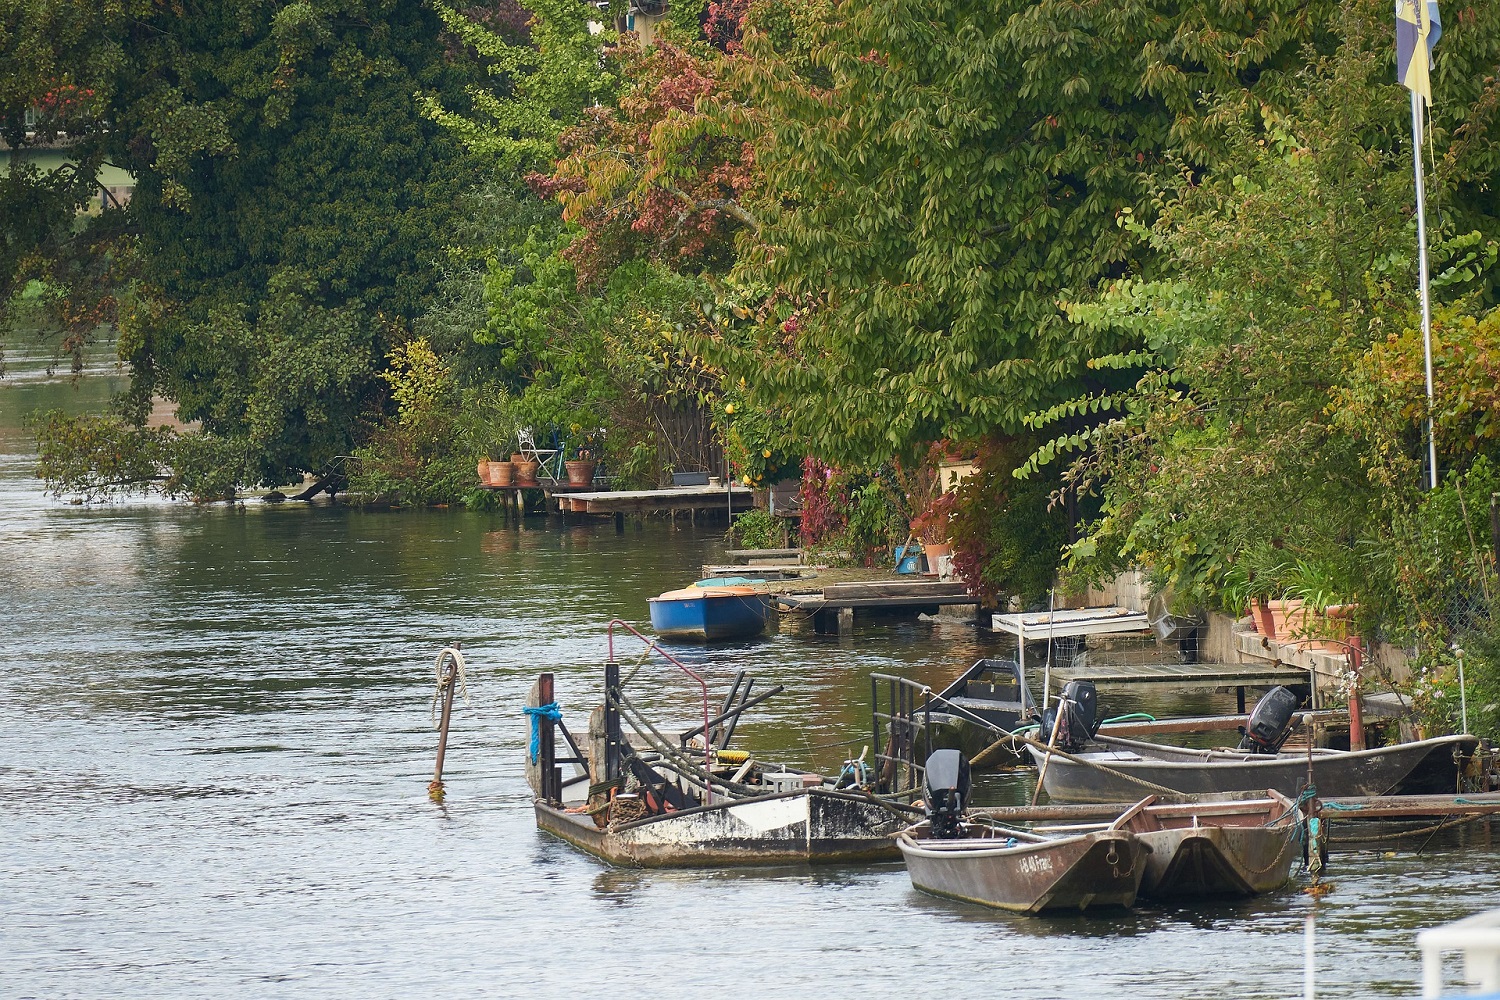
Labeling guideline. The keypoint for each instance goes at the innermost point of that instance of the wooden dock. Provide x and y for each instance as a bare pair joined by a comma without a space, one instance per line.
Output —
833,608
667,499
1186,676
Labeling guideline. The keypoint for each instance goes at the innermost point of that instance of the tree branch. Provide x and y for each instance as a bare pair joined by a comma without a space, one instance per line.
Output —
723,204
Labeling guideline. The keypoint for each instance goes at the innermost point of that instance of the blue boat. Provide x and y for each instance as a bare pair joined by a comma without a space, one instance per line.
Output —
710,613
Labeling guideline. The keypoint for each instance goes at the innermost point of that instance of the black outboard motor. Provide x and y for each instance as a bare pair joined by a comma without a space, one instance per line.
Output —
1270,722
1079,704
947,792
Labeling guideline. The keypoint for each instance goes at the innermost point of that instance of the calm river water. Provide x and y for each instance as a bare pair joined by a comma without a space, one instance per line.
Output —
215,742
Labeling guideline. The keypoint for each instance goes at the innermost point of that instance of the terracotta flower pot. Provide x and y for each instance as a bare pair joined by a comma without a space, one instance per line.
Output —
580,472
484,471
526,472
1287,617
1261,612
935,551
517,458
502,473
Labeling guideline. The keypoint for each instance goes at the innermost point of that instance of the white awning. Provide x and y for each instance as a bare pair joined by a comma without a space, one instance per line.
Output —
1072,622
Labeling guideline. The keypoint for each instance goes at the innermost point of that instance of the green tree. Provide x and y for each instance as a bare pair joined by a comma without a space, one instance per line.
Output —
934,177
283,165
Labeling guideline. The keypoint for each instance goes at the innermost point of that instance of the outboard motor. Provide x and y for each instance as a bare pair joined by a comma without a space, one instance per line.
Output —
947,792
1079,704
1270,722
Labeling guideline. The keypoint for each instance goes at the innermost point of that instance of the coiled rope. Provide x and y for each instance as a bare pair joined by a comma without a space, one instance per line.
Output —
442,681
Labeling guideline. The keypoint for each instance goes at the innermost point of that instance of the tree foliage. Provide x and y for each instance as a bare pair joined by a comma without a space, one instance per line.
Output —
275,147
934,177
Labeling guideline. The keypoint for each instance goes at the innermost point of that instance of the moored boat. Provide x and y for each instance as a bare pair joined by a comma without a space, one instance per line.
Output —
1114,769
982,704
650,802
710,613
1079,765
1010,868
1241,847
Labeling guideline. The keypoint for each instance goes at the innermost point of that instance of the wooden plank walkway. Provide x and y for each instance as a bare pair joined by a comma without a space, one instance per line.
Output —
833,608
671,498
1186,676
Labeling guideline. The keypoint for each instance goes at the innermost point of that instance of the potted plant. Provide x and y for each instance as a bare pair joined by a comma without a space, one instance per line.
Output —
581,468
1314,586
931,529
502,473
484,471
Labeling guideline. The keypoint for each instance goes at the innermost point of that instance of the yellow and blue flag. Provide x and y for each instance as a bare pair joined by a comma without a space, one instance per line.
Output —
1417,31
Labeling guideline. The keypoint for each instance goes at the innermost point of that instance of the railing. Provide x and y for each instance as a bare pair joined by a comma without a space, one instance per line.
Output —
907,718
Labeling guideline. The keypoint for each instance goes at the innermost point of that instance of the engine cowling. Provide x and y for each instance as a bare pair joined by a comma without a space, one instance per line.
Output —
947,792
1270,721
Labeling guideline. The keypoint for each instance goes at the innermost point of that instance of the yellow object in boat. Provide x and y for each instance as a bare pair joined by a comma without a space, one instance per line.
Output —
731,756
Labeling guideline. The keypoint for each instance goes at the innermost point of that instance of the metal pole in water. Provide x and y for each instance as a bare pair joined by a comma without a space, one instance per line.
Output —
447,670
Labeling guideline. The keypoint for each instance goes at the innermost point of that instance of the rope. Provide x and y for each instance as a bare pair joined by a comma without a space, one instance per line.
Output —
1398,835
442,681
548,711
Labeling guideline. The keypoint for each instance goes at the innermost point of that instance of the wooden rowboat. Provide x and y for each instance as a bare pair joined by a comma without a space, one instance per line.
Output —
1232,848
1026,871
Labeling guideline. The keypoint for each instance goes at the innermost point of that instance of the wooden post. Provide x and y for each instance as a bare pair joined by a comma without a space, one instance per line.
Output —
449,679
846,620
547,752
619,522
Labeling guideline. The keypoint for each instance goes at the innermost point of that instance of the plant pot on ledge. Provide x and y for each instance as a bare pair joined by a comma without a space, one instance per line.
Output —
526,472
580,471
484,472
502,473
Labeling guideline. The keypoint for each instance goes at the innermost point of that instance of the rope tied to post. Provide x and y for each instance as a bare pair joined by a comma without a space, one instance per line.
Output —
551,712
459,675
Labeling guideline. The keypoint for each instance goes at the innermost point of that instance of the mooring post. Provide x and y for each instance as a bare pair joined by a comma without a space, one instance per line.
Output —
612,736
547,750
447,680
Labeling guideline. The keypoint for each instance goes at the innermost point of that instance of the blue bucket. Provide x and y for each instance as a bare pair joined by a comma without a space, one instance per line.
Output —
908,564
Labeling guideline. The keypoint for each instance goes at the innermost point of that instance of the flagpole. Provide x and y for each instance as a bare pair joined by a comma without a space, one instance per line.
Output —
1416,157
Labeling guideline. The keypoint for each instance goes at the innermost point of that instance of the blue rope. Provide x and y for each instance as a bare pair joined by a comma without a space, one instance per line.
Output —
548,711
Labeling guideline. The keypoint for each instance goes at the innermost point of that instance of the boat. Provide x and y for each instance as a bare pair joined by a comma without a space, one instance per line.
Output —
710,613
1238,847
1077,764
984,703
1116,769
638,799
1025,871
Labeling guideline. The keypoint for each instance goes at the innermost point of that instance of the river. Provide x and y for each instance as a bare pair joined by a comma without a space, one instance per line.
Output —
215,742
